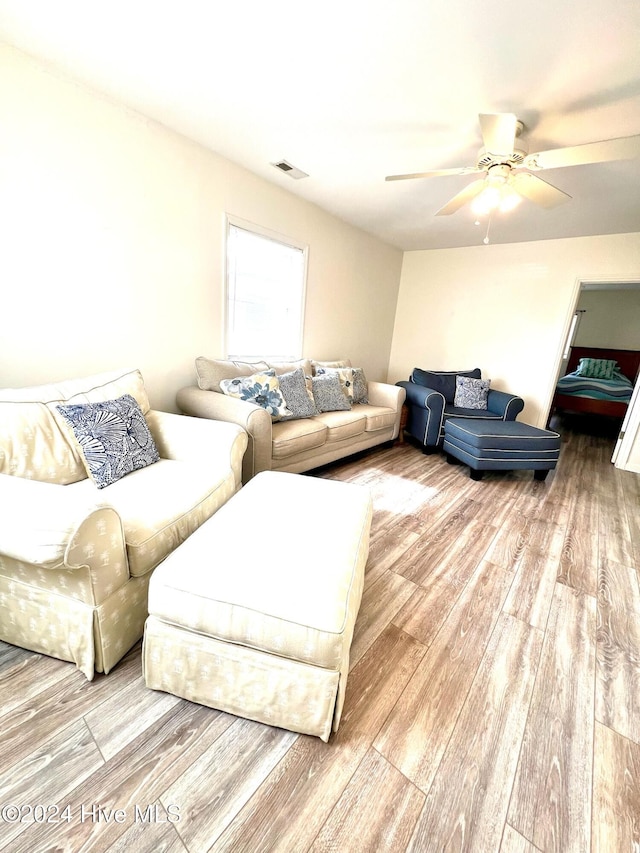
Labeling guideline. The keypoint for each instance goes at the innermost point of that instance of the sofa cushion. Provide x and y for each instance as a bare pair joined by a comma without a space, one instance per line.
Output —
290,437
343,362
160,506
37,443
471,393
113,437
459,412
343,425
212,371
303,364
443,381
328,393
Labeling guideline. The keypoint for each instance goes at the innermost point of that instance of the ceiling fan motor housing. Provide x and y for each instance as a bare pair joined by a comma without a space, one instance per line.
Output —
487,158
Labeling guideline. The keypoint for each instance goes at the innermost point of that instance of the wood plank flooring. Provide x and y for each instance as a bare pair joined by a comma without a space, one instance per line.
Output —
493,702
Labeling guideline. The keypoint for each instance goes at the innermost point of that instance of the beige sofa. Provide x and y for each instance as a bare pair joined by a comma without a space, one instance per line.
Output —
293,445
75,560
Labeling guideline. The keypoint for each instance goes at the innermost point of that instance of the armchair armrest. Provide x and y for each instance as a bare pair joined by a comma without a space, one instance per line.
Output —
39,520
191,439
52,527
508,406
255,420
425,398
426,409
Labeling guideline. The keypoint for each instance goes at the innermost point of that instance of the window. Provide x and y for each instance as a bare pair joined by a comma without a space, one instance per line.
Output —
266,277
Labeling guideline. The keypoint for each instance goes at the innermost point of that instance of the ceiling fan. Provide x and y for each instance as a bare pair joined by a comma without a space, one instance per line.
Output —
507,168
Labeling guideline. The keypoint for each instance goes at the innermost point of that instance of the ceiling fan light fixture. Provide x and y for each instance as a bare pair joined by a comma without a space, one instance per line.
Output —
510,200
497,194
488,200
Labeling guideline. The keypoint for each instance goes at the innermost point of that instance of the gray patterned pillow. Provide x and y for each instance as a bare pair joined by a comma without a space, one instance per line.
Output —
344,374
360,388
471,393
298,399
328,393
113,436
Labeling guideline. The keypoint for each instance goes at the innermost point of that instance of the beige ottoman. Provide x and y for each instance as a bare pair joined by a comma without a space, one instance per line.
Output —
254,613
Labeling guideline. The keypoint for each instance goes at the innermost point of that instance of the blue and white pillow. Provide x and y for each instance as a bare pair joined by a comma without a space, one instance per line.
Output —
471,393
263,389
113,436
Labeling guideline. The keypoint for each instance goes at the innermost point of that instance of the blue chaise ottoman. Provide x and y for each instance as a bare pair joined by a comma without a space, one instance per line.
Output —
500,446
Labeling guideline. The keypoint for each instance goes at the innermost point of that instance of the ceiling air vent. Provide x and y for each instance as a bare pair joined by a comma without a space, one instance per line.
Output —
290,170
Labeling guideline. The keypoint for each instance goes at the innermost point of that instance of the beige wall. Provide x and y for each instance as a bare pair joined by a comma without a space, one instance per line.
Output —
112,245
611,319
112,254
504,308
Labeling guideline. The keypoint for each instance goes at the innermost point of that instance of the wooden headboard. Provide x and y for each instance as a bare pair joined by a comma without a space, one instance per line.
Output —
628,359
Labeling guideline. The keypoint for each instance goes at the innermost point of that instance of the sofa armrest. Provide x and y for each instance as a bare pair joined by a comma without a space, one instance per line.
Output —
383,394
205,442
255,420
508,406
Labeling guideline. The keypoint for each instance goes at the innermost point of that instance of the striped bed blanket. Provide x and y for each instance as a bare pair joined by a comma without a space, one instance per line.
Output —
618,389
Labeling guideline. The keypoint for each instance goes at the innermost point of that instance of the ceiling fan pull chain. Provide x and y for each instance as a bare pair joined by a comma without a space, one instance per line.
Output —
486,236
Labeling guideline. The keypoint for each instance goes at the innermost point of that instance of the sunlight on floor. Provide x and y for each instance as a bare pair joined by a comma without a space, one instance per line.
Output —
400,495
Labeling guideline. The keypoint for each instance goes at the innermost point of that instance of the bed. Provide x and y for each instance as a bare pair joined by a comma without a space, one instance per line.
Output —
597,396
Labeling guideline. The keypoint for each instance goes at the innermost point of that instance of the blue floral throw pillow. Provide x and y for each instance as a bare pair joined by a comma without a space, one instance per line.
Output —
263,389
113,436
471,393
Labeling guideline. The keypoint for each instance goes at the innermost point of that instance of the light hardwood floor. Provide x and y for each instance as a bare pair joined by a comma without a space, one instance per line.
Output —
493,702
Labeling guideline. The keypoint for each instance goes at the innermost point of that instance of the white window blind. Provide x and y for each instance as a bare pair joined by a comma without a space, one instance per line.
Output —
265,295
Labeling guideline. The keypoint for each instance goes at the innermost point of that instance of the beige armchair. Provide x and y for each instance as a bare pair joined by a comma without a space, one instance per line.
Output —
75,560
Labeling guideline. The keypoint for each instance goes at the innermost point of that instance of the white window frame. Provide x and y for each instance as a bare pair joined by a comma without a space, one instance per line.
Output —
237,222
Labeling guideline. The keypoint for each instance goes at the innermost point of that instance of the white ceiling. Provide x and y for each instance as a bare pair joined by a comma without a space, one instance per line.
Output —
352,90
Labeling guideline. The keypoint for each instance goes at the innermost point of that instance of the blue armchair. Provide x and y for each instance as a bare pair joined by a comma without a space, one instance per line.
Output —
430,401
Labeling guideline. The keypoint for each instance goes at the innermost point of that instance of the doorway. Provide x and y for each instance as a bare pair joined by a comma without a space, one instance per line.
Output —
606,315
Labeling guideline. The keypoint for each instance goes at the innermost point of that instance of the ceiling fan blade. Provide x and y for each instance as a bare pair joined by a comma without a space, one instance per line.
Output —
469,192
624,148
538,191
498,132
437,173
